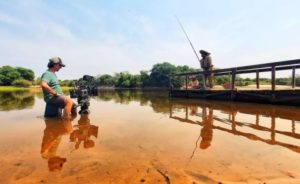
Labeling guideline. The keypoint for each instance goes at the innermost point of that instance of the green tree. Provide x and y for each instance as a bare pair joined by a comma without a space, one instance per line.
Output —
159,76
135,81
283,81
8,74
145,78
264,81
25,73
125,80
106,80
220,80
185,68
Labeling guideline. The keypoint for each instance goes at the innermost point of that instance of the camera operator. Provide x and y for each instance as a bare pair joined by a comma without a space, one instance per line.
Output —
52,91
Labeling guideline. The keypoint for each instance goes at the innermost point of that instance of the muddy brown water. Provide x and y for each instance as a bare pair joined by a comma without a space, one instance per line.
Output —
144,137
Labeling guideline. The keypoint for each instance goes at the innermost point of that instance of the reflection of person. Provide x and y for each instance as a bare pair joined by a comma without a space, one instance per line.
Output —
55,129
206,65
83,132
51,89
193,110
207,129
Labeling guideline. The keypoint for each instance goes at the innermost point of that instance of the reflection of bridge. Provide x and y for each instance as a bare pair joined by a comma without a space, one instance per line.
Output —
232,125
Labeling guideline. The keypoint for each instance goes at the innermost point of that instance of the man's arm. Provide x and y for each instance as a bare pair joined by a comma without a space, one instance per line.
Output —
201,63
47,88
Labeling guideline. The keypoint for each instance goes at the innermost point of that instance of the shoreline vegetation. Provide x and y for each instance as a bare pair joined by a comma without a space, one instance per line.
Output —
37,88
30,88
156,78
65,88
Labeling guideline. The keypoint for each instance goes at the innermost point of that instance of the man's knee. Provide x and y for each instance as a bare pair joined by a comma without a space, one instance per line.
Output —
68,100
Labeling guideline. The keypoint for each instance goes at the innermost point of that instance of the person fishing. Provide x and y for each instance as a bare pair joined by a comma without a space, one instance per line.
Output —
206,65
205,62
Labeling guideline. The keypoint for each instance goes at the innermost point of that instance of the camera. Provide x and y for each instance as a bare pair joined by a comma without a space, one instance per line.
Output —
83,89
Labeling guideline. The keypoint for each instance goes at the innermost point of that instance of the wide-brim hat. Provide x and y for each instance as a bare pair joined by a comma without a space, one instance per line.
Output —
56,60
204,52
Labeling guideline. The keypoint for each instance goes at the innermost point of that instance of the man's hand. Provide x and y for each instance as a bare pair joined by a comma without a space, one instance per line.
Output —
47,88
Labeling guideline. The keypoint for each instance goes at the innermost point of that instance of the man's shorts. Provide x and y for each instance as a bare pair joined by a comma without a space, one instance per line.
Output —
58,100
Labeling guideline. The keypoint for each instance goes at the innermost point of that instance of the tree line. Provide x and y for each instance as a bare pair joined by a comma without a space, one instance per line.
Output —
156,77
16,76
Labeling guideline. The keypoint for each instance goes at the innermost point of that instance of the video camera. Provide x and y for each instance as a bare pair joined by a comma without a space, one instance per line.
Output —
83,89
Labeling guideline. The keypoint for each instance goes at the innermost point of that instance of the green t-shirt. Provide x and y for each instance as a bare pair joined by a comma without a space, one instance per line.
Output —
52,81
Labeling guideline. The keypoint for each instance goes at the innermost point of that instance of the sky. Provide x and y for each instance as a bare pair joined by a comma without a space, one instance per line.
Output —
108,37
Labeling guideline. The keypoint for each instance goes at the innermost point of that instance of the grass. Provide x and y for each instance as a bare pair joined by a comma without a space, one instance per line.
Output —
31,88
12,88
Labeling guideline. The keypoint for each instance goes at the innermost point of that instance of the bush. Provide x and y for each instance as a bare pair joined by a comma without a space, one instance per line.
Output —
21,83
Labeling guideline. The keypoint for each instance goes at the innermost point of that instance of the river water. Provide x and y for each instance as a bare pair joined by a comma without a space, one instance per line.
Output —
145,137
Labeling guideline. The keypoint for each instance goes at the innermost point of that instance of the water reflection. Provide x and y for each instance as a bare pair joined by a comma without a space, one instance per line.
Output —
207,128
83,132
56,129
202,142
274,125
230,118
157,99
16,100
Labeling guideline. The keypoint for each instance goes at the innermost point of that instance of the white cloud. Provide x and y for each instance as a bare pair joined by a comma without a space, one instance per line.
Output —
54,30
10,20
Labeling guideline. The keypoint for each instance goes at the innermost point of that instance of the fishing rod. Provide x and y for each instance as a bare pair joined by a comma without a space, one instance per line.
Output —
203,79
187,37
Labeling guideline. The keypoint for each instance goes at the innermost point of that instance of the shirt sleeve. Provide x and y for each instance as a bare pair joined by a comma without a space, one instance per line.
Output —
46,77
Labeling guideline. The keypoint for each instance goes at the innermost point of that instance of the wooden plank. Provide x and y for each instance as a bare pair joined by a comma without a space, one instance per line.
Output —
233,72
293,77
257,79
265,65
273,78
186,82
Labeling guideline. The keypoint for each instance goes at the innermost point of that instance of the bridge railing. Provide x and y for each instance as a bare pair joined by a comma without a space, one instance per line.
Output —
257,69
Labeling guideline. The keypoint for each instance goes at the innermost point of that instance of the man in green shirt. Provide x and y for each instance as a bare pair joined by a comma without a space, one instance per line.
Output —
51,89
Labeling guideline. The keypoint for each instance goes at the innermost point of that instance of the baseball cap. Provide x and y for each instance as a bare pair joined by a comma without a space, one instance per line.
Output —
56,60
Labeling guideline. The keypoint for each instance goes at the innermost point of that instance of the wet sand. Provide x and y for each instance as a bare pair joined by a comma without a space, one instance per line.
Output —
135,142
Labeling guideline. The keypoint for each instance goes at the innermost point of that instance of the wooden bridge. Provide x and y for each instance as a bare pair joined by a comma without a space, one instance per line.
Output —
289,96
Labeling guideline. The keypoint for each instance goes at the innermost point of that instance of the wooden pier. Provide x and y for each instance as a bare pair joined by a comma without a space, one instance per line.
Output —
289,96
